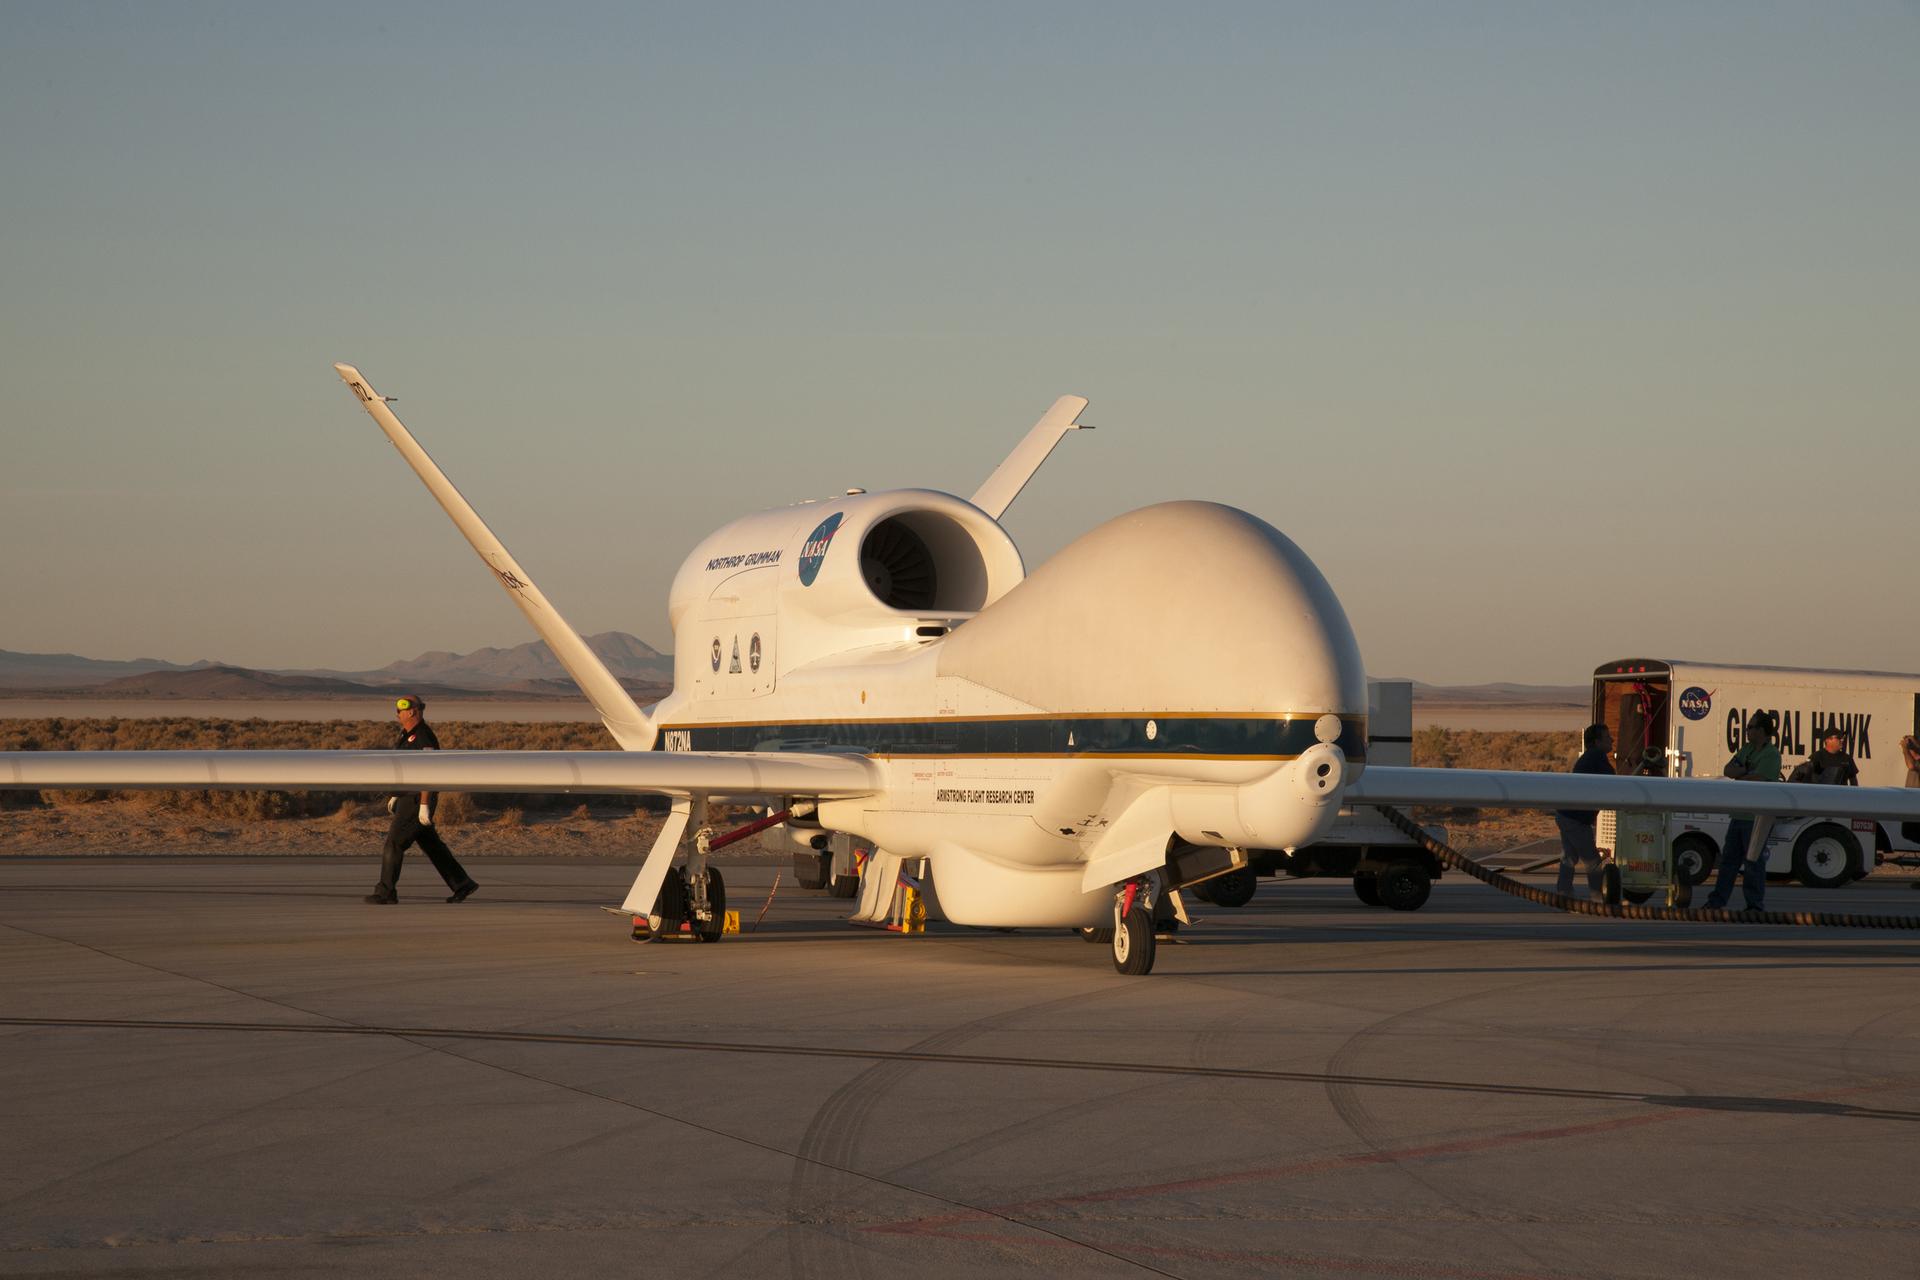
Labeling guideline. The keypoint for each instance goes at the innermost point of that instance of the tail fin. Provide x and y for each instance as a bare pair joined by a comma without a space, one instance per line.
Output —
629,725
1011,476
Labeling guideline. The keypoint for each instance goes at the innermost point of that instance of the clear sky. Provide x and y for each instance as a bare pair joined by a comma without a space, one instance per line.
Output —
1554,334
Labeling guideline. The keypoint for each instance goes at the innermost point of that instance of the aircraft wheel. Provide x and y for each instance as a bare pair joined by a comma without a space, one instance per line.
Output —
711,930
1101,936
1367,889
1234,889
1693,859
1404,886
1610,885
1202,891
844,886
671,905
810,869
1133,943
1824,856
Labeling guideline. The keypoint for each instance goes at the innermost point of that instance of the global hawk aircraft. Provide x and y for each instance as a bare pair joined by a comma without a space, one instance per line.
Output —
1064,748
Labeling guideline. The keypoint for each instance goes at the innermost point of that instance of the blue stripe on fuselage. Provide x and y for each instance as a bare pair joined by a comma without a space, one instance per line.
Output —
1213,736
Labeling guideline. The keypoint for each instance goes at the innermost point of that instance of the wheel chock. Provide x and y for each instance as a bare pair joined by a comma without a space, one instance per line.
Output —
643,930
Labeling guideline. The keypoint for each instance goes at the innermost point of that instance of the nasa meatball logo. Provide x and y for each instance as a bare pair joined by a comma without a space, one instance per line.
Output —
1695,703
813,552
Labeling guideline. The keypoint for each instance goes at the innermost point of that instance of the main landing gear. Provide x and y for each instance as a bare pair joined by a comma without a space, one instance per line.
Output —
692,904
692,899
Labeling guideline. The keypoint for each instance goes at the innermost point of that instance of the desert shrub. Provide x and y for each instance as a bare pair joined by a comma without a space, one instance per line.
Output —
1527,752
455,808
511,818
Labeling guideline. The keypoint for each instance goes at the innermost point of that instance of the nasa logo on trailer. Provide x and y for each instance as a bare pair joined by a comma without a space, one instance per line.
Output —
813,552
1695,703
753,652
716,653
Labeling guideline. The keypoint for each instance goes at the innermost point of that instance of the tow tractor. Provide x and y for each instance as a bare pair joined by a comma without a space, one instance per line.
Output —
1637,860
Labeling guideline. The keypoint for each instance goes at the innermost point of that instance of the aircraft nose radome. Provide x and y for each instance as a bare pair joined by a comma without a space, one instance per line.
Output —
1183,606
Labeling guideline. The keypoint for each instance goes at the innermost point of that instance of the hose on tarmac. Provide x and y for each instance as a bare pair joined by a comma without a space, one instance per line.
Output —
1627,910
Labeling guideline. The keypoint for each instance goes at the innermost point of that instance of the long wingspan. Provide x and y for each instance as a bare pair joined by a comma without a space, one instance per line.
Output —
1499,789
629,725
630,772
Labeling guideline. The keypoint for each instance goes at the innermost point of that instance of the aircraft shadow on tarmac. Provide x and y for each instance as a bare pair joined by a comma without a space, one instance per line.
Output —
1758,1105
1779,1106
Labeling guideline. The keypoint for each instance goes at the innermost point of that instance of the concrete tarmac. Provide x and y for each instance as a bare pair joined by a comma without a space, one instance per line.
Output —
234,1067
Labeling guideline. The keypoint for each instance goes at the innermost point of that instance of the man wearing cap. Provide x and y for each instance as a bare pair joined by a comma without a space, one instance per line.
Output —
1832,763
1745,850
413,816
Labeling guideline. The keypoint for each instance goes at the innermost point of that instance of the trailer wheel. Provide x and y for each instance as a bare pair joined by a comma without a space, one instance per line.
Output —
1610,885
1636,896
1693,859
1366,889
1234,889
1404,886
1825,855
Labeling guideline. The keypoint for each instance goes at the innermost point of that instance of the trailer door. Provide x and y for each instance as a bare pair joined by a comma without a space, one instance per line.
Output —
1634,699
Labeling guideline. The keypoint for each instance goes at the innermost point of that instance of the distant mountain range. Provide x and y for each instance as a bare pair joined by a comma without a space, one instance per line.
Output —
528,670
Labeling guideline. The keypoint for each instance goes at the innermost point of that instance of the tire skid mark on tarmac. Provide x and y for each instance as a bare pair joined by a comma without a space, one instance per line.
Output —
1353,1112
944,1225
832,1141
1793,1103
1411,1269
1028,1126
264,1105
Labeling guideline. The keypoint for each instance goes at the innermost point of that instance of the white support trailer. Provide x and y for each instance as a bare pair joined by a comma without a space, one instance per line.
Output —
1679,719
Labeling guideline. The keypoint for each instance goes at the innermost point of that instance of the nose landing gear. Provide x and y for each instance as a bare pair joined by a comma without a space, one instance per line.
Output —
1133,941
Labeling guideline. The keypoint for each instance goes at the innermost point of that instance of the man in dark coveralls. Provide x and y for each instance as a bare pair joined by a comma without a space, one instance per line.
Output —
413,817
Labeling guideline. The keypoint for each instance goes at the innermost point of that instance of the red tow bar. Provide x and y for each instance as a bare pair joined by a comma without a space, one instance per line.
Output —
752,828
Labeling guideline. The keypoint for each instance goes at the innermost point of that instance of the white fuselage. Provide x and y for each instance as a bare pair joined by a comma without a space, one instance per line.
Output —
900,626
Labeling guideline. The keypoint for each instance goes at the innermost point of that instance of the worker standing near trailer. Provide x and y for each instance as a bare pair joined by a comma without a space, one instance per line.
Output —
1831,764
1577,825
1745,847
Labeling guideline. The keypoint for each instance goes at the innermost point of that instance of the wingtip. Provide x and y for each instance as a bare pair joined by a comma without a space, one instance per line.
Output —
347,372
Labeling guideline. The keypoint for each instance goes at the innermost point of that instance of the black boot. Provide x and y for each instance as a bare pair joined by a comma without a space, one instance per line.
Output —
382,899
464,892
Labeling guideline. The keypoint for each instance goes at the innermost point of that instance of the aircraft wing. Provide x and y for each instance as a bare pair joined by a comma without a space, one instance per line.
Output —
605,772
1502,789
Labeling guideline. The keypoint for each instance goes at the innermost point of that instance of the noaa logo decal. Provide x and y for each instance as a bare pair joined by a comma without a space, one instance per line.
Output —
813,552
1695,703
